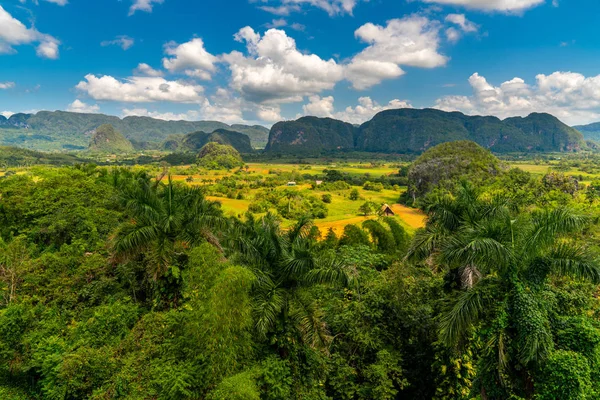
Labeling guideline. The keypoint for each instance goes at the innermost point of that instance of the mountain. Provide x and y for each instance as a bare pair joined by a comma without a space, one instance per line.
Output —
590,131
58,130
310,135
197,140
414,131
259,135
106,139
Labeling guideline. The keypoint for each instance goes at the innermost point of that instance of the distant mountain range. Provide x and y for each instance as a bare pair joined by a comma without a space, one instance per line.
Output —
391,131
60,130
414,131
590,131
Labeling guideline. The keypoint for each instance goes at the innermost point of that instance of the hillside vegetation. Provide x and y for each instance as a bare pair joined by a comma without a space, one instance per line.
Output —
106,139
414,131
66,130
196,140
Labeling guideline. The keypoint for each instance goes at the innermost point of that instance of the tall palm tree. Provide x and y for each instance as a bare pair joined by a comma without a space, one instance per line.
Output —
286,266
163,219
504,263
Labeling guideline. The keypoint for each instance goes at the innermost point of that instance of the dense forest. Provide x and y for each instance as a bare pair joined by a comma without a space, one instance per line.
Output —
116,283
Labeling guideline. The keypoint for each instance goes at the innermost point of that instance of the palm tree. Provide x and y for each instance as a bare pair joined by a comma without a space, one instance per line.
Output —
503,264
287,267
165,218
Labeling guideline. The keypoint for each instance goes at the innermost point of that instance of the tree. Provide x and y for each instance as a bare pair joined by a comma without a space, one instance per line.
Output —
286,267
366,208
501,264
354,195
164,219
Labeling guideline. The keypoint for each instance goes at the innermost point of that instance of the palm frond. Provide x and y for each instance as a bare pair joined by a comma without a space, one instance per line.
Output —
463,314
569,259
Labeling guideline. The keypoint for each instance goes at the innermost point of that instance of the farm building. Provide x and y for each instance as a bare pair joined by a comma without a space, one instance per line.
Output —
387,211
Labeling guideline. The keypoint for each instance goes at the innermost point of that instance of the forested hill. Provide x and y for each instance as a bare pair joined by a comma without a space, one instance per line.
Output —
59,129
590,131
414,131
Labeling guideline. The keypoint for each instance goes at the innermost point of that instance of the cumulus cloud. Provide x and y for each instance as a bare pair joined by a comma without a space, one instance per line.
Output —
572,97
123,41
14,33
223,106
190,57
453,34
79,106
332,7
144,69
319,106
7,85
191,115
274,70
143,5
269,113
363,111
139,89
411,41
491,5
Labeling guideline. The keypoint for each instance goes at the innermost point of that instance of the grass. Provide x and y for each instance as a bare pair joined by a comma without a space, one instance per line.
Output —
342,210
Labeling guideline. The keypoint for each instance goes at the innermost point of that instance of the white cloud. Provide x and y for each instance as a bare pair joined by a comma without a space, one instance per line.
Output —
411,41
79,106
269,113
276,71
332,7
572,97
491,5
7,85
140,89
123,41
191,115
363,111
453,35
144,69
277,23
223,106
190,57
7,114
143,5
13,33
462,22
319,106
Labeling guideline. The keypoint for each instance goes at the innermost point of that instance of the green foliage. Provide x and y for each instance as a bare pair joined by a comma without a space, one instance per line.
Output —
353,236
564,375
354,195
446,163
108,140
115,284
196,141
242,386
218,156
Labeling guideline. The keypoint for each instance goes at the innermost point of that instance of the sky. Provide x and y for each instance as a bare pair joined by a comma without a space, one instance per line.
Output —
262,61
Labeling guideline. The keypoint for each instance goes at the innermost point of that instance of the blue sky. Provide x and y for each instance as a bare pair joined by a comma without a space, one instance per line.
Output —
267,60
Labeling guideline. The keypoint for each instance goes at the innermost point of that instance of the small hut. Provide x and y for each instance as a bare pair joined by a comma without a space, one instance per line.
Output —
387,211
291,183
